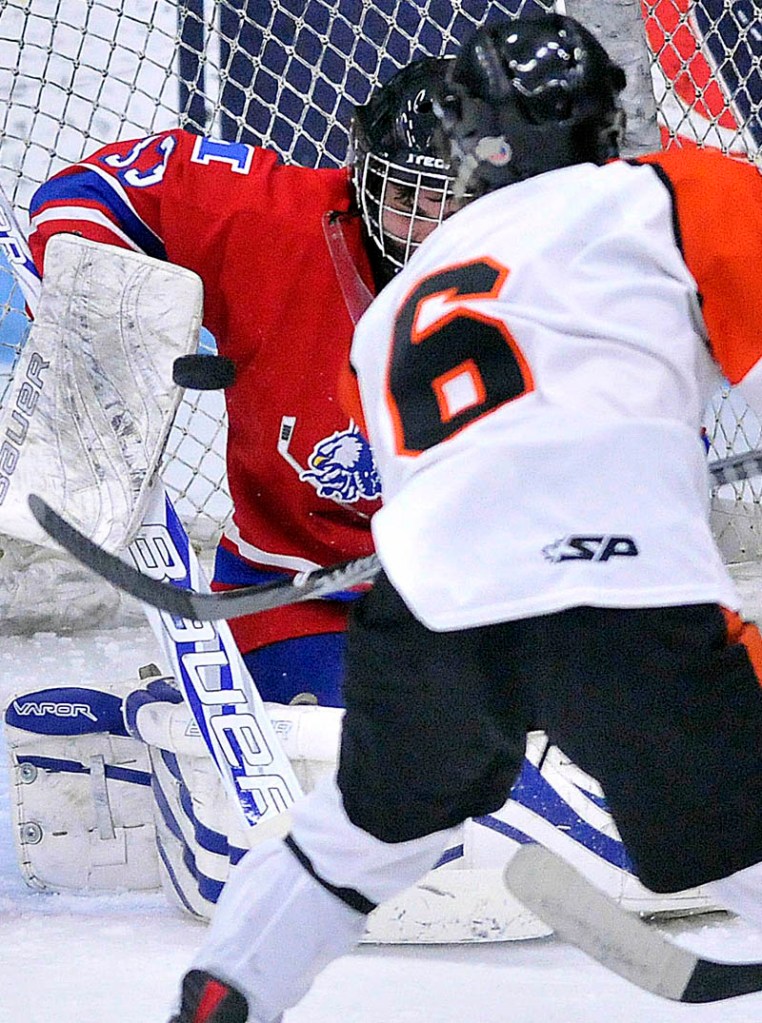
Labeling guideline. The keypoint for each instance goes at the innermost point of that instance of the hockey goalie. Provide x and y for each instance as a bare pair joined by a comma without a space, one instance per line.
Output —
115,788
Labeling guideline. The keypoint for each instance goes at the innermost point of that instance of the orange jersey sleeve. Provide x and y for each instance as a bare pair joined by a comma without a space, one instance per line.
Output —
718,205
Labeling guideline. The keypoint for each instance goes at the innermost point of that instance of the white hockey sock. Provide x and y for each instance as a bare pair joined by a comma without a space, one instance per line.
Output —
348,857
274,929
741,893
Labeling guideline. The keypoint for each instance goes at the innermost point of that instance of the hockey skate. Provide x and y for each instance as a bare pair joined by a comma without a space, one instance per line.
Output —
208,1000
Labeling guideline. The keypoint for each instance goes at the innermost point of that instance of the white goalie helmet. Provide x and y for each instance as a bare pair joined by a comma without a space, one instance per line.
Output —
403,189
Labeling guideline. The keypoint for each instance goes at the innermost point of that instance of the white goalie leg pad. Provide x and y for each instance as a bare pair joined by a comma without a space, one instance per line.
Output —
80,791
557,805
92,399
200,836
199,831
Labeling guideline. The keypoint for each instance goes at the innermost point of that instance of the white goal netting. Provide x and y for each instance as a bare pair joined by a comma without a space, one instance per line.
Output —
75,75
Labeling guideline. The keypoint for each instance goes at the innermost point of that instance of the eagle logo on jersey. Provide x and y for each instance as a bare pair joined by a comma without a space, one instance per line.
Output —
341,467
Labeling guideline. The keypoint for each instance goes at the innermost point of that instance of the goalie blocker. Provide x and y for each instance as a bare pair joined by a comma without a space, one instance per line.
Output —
114,790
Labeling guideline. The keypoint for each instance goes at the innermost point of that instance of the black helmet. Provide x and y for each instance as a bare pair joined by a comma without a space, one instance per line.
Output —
393,162
528,96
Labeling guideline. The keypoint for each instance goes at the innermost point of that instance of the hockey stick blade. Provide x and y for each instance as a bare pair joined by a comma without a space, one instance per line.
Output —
582,915
188,603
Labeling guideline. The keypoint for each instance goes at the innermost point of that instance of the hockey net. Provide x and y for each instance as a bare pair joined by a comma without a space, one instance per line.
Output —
286,74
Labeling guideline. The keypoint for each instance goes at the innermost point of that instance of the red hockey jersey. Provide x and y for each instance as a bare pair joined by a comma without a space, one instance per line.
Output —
301,475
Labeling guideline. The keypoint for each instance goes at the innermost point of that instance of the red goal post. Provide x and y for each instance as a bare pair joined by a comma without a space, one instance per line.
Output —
286,74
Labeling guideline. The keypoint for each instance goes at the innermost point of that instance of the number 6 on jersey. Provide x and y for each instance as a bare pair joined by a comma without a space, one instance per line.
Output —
451,362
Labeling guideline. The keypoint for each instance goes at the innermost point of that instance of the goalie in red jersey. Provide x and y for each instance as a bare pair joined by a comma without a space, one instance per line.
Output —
287,265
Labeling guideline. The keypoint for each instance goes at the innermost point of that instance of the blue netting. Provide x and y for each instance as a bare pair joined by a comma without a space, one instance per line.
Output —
732,32
293,71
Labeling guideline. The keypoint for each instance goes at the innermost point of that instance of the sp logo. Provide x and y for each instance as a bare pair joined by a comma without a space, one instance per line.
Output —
590,548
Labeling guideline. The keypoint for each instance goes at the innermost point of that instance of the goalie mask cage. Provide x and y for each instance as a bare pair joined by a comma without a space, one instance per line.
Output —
75,75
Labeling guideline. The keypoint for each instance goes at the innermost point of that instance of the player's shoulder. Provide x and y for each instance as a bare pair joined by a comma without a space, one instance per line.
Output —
324,180
249,167
706,169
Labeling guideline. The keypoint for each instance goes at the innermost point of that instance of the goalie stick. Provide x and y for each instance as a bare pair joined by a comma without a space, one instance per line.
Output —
14,245
582,915
209,668
251,599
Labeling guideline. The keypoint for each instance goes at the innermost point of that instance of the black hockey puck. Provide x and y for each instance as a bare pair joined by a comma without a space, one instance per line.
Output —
204,372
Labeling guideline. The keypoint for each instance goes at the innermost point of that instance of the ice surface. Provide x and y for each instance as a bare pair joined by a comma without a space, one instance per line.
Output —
79,959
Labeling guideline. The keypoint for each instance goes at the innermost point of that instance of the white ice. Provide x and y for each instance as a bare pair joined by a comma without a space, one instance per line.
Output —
79,959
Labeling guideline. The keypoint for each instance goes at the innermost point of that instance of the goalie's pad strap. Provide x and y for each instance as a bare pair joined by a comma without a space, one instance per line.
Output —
103,818
59,765
91,402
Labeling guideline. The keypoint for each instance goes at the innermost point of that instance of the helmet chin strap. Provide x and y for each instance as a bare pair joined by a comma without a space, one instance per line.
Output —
467,166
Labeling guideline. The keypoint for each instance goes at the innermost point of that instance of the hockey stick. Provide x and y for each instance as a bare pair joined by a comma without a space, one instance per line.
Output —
735,468
251,599
582,915
189,604
214,680
15,247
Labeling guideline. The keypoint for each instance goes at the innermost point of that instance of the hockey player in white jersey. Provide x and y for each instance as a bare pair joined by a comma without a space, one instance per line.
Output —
533,384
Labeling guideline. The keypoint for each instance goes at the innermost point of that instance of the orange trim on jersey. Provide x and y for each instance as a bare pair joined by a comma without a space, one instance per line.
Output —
746,633
349,396
719,215
454,298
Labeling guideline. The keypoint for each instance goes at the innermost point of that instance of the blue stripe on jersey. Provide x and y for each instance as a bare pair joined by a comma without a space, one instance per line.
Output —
231,570
86,184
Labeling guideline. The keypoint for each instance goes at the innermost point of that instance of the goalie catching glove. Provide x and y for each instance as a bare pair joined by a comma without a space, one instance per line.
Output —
91,401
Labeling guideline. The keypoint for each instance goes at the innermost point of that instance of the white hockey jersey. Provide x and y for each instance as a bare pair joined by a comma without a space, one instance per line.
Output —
533,385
